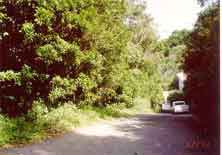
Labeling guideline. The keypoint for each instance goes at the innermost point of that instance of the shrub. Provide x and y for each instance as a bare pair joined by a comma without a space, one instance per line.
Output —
106,96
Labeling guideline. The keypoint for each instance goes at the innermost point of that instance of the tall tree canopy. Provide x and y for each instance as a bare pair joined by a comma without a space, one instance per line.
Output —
169,52
63,51
202,67
58,49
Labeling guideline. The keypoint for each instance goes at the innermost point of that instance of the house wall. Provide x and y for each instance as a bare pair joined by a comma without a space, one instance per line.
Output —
181,80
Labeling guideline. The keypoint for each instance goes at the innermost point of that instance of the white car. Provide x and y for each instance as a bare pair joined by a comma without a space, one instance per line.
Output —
180,107
166,107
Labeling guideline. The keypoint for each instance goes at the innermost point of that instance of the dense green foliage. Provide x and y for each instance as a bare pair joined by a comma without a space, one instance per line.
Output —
61,51
66,61
201,64
168,53
66,117
176,96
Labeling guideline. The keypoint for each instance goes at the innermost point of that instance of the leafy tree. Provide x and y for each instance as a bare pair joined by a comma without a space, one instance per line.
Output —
201,64
66,51
58,50
143,78
141,25
178,37
169,52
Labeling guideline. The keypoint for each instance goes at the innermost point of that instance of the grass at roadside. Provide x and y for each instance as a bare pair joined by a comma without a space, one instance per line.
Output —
21,130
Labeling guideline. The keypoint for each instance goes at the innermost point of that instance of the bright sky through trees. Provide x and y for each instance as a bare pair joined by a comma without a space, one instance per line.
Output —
170,15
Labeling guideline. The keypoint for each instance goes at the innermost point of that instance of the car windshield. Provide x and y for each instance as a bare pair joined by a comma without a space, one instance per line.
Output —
179,103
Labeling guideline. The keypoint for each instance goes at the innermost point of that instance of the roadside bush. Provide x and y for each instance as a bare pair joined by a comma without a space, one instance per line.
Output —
128,100
157,107
38,110
106,96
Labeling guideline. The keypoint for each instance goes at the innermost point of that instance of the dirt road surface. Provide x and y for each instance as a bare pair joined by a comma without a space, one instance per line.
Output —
145,134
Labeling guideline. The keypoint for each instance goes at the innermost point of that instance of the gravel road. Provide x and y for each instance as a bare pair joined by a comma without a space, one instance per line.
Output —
145,134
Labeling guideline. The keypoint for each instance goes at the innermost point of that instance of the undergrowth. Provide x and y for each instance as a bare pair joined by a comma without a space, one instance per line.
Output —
40,124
